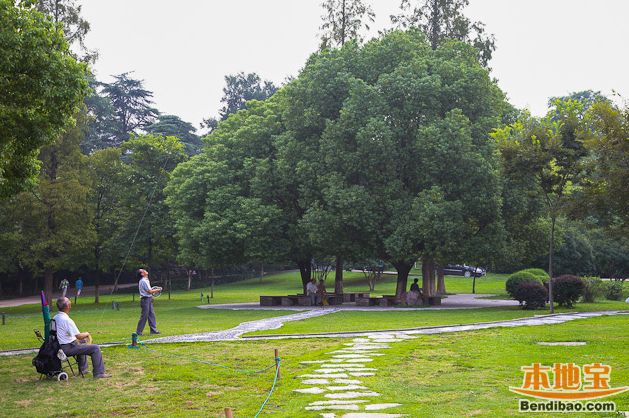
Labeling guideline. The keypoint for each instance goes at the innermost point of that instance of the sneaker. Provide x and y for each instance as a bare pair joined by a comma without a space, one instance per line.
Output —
102,376
139,334
155,332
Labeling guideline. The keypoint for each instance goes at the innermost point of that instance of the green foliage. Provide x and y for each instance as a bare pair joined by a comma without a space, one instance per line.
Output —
239,89
614,290
593,288
519,277
531,294
568,289
444,19
343,21
131,103
68,14
539,273
171,125
42,87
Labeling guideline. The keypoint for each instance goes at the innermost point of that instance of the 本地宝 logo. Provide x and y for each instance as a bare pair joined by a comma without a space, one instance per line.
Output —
570,385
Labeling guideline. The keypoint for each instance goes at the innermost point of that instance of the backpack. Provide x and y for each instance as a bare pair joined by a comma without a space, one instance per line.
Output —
47,362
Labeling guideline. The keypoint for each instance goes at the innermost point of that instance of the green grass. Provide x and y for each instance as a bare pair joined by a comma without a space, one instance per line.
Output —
347,321
180,315
462,374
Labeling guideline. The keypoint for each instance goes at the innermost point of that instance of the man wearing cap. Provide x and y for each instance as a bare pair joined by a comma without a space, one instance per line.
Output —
146,302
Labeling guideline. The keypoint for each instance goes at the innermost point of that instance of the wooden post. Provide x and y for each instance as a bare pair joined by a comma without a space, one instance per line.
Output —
228,413
4,321
133,297
277,362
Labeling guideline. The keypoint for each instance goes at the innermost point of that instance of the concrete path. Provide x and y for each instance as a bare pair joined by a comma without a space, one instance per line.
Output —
88,291
462,301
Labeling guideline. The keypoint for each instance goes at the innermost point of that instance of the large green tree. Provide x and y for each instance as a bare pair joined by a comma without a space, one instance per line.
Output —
412,134
42,88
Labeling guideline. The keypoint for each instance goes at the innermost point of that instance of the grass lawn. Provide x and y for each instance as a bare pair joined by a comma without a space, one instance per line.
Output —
180,315
462,374
360,320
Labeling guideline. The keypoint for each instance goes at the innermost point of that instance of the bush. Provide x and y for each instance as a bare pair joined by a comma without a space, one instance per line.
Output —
532,294
593,288
567,290
518,278
539,273
613,290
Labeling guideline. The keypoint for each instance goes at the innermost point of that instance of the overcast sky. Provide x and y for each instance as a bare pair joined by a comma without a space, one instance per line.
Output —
182,49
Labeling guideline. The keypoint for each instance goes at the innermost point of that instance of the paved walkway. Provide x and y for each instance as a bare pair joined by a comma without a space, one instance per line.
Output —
462,301
88,291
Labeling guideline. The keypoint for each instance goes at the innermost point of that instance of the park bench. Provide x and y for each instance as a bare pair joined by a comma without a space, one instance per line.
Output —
432,300
351,297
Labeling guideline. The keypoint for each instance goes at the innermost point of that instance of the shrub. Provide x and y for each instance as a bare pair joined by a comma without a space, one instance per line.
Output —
567,290
593,288
613,290
539,273
532,294
517,278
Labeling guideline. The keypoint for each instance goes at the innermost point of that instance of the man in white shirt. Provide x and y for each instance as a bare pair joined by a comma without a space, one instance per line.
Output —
311,291
146,302
69,338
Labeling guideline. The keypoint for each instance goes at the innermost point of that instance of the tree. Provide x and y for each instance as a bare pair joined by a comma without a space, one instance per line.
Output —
103,127
239,221
75,28
408,113
132,105
53,219
171,125
42,87
144,226
550,149
444,19
239,89
106,171
343,21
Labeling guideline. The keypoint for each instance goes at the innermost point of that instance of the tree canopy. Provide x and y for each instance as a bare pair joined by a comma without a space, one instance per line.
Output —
42,88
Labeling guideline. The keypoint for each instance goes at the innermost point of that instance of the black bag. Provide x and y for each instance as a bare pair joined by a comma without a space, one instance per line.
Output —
46,362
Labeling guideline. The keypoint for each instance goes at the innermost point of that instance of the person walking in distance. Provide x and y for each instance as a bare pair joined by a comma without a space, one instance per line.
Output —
146,302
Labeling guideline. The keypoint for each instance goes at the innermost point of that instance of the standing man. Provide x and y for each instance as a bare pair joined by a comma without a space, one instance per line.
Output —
311,291
70,338
146,302
63,286
79,286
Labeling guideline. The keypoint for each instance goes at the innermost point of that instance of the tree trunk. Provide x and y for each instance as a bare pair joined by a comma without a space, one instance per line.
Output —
441,282
402,278
97,287
48,279
189,279
305,269
338,276
433,281
426,287
550,264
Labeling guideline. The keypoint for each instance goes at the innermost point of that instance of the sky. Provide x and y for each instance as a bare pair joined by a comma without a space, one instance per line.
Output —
183,49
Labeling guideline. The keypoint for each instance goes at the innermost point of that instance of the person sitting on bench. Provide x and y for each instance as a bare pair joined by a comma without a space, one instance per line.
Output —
414,295
70,339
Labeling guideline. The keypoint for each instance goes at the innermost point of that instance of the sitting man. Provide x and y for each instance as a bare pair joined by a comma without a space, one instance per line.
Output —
70,338
414,295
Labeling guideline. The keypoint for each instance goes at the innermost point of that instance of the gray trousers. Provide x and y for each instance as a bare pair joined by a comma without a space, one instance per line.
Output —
81,351
147,313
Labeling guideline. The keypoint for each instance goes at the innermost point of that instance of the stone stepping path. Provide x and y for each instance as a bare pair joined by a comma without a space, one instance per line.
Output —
353,395
364,346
